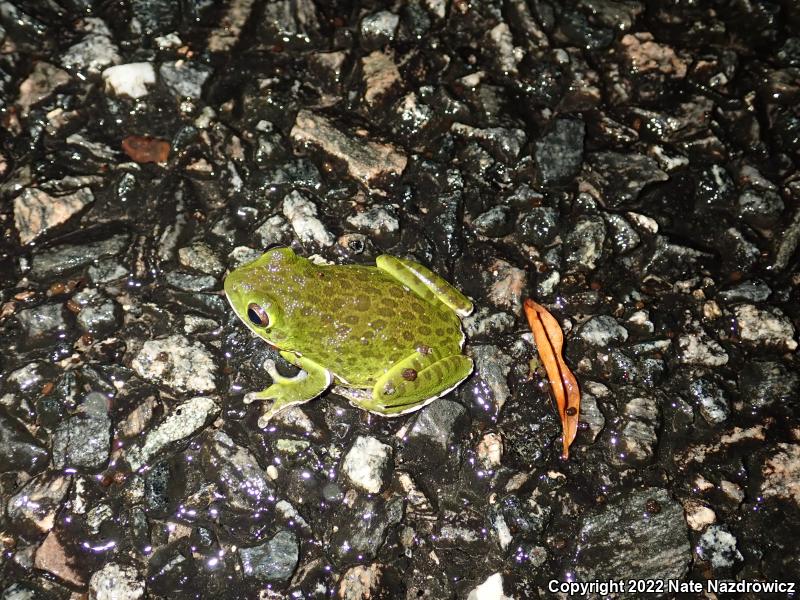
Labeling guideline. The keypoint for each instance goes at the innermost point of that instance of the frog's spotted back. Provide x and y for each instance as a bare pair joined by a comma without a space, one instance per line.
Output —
358,323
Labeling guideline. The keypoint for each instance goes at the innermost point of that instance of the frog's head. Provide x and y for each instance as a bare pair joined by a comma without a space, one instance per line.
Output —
254,290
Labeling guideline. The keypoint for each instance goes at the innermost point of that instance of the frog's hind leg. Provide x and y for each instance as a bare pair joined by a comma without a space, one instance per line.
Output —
416,380
424,282
288,391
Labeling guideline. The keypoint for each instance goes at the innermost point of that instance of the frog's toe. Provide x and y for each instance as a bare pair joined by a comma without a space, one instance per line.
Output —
309,383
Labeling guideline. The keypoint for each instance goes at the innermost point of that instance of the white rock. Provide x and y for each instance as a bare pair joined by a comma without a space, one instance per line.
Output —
366,463
507,56
644,222
502,531
241,255
302,215
116,582
698,515
377,220
641,318
490,450
491,589
177,362
601,330
272,231
765,327
698,348
182,422
382,23
718,547
92,54
130,80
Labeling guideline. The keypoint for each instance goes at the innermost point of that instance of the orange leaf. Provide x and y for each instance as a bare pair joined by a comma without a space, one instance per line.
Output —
144,149
549,343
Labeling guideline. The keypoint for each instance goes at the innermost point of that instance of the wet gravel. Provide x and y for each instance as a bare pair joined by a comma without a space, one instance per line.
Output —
632,166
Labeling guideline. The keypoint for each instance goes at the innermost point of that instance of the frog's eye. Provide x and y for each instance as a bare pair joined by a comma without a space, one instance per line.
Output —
257,315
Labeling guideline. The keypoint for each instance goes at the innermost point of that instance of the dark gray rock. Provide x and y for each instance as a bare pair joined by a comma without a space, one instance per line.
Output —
623,236
433,441
760,209
621,177
754,290
201,257
539,225
517,519
41,324
185,79
636,434
495,222
438,423
739,253
68,257
357,531
711,400
591,414
489,391
559,152
583,244
191,282
502,143
19,450
274,560
764,383
640,535
84,440
242,480
98,314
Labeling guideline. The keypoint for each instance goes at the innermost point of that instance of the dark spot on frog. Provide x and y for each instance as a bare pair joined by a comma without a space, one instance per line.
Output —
409,374
424,330
407,315
408,336
378,324
362,303
439,332
571,411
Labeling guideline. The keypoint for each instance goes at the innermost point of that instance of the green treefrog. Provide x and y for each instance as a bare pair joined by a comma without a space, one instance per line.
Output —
388,336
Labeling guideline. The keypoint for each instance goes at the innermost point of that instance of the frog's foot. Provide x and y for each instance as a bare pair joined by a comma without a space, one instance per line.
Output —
416,381
424,282
288,391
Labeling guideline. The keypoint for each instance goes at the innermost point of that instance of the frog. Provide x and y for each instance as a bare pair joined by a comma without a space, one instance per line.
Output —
387,337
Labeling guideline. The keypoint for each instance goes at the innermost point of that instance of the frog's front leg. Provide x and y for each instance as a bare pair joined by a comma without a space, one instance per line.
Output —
415,381
309,383
424,282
